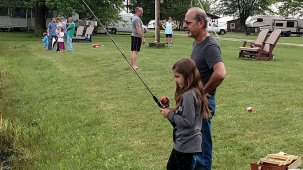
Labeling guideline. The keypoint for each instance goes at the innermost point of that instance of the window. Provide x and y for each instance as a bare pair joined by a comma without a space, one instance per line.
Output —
29,13
290,24
50,14
3,11
19,12
279,24
259,19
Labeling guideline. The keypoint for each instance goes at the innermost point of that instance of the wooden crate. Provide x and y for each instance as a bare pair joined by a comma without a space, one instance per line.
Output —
267,166
277,162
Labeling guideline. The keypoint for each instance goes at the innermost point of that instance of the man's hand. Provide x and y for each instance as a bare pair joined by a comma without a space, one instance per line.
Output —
143,40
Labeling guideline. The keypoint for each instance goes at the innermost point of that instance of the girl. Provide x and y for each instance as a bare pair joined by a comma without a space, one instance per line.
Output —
186,117
60,46
169,26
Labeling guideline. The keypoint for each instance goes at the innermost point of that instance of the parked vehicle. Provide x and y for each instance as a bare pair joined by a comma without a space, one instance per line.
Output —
213,27
124,25
288,26
151,24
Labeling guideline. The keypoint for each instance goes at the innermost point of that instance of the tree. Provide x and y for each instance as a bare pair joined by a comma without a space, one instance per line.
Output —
104,10
178,9
243,8
290,7
169,8
148,8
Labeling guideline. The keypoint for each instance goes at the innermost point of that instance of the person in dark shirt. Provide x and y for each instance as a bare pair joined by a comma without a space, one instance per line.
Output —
51,33
206,54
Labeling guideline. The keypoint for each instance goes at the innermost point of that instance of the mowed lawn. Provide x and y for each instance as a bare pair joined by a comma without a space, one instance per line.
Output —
88,110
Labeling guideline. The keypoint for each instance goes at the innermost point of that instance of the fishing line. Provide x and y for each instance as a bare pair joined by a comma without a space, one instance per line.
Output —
119,49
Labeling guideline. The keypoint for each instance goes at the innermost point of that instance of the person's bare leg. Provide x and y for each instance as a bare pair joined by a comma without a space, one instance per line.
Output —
131,58
166,42
134,59
170,42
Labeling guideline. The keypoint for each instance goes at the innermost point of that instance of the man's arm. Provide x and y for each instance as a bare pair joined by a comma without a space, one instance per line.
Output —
216,78
140,32
48,30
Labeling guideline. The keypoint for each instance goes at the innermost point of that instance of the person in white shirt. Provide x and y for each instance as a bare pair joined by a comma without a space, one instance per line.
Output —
169,26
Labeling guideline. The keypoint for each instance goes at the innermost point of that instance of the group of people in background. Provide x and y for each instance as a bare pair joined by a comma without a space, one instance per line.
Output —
57,31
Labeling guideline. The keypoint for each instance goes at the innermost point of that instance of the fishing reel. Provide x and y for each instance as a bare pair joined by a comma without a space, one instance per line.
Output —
165,101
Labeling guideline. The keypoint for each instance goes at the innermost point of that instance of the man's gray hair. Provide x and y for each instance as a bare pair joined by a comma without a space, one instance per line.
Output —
200,15
137,8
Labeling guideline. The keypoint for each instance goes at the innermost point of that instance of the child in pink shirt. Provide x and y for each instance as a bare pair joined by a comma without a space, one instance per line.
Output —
60,46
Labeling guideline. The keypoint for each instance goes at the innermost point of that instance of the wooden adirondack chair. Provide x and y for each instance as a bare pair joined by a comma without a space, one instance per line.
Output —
87,37
79,32
257,43
263,52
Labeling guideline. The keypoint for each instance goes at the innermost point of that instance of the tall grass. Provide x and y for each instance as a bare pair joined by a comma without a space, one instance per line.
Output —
12,153
87,109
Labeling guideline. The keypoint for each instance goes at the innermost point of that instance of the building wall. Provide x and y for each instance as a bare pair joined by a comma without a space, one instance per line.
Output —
234,26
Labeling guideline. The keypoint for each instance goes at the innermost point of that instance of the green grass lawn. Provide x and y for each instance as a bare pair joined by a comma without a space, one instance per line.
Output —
88,110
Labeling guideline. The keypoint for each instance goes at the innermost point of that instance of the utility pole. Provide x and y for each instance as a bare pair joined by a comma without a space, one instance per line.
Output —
156,42
126,6
157,20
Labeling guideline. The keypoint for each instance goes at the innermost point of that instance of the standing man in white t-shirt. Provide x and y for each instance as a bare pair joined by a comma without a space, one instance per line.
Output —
137,36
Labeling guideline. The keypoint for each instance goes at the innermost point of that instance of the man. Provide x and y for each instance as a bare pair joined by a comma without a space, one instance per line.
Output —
207,56
137,36
51,33
70,34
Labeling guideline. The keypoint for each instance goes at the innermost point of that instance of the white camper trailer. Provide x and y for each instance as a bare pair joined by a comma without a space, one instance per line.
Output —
287,25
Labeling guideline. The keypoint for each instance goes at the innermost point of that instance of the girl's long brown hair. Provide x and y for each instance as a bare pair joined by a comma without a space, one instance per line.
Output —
192,80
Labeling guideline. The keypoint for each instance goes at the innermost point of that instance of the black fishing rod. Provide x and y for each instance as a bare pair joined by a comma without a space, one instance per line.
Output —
109,35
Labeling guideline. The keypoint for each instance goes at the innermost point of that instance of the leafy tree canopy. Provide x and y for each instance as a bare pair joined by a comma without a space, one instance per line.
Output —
169,8
105,10
290,7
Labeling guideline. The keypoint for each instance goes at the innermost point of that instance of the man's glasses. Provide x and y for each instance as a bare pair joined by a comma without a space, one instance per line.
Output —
188,22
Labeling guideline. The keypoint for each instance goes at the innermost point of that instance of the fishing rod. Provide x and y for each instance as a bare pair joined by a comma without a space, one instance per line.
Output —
119,49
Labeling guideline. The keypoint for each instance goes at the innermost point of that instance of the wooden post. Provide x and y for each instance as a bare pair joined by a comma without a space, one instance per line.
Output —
127,6
156,42
157,20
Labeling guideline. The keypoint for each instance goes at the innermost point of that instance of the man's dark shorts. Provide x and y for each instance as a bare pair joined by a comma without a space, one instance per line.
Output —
168,35
136,43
